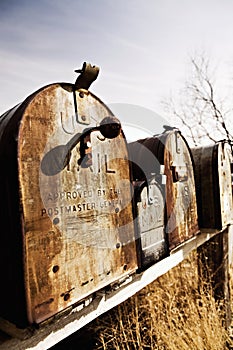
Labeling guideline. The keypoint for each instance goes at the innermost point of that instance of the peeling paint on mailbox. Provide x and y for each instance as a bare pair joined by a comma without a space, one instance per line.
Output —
75,198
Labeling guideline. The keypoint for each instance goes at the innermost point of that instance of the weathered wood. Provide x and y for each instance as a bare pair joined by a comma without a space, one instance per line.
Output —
213,264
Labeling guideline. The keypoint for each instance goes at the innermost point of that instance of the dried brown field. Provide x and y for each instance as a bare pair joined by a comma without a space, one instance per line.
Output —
173,313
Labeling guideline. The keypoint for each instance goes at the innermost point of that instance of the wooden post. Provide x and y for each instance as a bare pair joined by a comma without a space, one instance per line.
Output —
213,264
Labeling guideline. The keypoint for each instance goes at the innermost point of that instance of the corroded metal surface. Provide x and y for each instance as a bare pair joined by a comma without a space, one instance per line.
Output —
213,183
75,200
225,183
149,198
167,155
182,221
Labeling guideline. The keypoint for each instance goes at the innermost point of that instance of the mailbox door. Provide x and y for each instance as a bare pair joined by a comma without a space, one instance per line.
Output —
182,222
76,201
225,186
150,222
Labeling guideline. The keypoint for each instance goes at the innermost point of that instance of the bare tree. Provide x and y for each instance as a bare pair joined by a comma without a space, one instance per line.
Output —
199,112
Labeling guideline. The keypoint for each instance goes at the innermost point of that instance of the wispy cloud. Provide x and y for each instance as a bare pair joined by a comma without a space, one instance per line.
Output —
140,46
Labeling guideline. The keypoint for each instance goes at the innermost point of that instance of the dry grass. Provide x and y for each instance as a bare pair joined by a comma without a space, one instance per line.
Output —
173,313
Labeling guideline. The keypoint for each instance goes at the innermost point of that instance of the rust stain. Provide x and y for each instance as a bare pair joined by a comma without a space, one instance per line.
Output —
169,150
150,221
76,199
180,190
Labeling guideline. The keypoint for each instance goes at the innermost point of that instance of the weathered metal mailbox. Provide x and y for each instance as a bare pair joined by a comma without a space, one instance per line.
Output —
149,202
214,185
168,155
66,213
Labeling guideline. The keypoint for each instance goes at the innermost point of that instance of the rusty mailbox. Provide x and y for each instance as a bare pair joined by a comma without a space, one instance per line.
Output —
149,203
168,155
66,213
214,185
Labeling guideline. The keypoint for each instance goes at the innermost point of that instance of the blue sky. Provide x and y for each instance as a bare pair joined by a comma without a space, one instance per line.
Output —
142,47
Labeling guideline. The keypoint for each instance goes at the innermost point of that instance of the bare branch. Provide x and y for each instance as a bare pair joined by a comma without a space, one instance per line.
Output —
199,111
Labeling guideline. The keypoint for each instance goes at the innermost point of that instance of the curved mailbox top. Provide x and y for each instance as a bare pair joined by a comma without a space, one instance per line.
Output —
72,177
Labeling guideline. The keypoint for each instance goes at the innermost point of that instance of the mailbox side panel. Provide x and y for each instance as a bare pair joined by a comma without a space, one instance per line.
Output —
213,183
12,292
207,187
